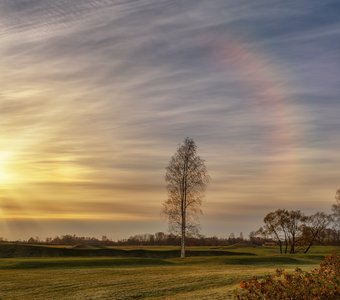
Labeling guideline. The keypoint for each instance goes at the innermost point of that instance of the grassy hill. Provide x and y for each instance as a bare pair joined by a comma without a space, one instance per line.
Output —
8,250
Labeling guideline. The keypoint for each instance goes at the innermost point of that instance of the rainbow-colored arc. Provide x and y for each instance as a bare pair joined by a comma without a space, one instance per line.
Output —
265,86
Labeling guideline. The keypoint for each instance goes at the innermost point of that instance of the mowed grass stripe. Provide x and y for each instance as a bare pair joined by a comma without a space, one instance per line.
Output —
29,263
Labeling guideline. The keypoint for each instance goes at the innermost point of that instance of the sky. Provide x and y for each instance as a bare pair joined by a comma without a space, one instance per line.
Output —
96,96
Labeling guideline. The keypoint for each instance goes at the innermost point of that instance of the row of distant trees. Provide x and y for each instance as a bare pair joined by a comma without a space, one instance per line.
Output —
327,236
146,239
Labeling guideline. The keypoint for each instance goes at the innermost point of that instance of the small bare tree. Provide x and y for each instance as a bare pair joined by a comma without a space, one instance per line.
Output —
314,226
275,227
336,209
186,178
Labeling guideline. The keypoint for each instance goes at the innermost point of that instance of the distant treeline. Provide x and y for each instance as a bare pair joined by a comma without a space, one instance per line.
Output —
147,239
328,236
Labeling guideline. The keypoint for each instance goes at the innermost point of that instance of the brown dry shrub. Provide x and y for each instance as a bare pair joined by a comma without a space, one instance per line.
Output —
322,283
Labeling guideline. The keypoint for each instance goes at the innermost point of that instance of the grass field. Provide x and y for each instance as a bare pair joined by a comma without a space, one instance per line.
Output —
197,277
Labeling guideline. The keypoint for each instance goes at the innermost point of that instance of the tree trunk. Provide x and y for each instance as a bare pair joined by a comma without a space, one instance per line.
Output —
286,239
280,245
278,239
183,242
286,242
307,249
183,225
311,242
292,246
184,206
183,230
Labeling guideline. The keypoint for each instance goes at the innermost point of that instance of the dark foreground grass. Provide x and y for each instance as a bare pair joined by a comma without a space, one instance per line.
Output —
210,277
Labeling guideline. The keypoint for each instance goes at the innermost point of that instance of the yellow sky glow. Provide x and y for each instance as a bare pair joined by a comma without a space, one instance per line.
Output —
102,216
7,176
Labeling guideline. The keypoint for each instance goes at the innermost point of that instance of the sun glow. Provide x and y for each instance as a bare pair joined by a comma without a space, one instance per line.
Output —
6,176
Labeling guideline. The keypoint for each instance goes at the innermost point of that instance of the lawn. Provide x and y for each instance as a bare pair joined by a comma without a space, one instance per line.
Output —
198,277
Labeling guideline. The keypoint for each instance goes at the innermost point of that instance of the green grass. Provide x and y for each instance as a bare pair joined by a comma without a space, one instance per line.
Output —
197,277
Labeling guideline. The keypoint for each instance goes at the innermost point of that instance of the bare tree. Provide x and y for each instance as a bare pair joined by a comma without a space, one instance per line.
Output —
336,209
295,224
292,228
285,227
271,228
275,226
314,226
186,178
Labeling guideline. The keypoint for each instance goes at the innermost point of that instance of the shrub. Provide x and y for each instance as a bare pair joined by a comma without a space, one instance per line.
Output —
322,283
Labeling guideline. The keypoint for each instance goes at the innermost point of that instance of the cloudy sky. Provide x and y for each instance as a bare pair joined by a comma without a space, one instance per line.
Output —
96,96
